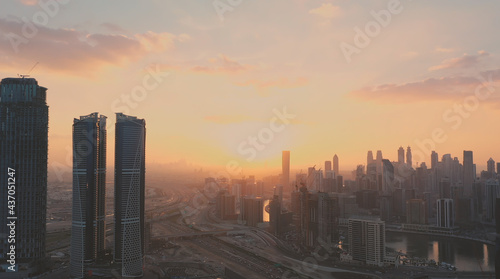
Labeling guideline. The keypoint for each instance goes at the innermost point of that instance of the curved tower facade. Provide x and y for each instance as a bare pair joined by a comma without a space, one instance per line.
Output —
130,139
88,229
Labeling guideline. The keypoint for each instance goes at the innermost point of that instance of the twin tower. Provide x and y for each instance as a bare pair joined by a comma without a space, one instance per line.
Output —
88,232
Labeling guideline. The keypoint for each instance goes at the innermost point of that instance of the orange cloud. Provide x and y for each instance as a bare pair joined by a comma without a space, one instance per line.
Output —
156,42
466,61
76,52
218,65
222,64
326,10
443,88
445,50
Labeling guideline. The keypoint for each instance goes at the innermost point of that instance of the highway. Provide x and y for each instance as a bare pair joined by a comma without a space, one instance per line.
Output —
203,235
270,263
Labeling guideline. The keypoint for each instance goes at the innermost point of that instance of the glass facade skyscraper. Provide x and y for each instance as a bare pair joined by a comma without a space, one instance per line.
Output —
285,171
469,174
24,117
88,230
130,139
336,165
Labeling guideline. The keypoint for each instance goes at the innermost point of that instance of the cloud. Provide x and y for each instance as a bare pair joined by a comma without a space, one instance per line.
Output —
444,50
326,10
76,52
222,64
465,61
277,83
444,88
183,38
156,42
113,27
29,2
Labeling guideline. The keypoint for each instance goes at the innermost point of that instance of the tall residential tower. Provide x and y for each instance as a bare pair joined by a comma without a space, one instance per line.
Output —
409,161
285,171
88,231
130,170
401,155
367,240
469,174
336,164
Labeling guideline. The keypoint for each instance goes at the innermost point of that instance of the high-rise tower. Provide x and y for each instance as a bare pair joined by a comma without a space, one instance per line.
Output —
367,240
130,170
434,160
409,161
445,213
285,171
328,166
468,173
336,164
387,177
379,161
369,157
401,155
88,231
491,167
24,118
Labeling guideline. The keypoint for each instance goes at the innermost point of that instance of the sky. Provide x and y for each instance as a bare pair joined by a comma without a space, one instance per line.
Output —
231,84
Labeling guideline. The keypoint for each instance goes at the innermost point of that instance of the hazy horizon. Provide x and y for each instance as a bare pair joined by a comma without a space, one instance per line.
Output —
316,81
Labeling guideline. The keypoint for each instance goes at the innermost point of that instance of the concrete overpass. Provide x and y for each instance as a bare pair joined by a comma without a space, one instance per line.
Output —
201,234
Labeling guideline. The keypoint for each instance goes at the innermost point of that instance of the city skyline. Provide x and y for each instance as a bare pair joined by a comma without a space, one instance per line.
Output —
284,139
224,95
394,157
323,207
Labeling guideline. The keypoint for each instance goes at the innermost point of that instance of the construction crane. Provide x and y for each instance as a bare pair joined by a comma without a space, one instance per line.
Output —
308,175
307,178
28,75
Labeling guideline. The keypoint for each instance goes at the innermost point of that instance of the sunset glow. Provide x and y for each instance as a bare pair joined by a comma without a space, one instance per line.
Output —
207,78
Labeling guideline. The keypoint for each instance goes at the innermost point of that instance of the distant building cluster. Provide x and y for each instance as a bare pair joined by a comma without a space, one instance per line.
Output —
239,199
321,206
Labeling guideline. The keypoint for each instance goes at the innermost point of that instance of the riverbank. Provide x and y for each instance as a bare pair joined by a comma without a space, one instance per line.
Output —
463,253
